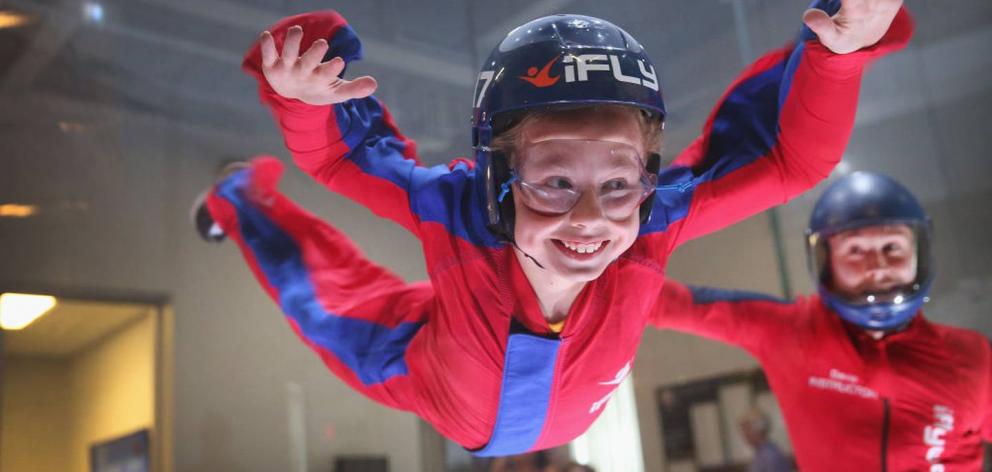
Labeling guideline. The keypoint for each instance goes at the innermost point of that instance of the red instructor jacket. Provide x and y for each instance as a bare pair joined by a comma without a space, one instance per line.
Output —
917,400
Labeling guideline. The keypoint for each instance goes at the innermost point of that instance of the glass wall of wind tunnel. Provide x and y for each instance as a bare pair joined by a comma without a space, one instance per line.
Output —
79,384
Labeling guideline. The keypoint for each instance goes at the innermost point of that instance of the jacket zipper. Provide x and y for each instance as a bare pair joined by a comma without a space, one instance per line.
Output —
885,434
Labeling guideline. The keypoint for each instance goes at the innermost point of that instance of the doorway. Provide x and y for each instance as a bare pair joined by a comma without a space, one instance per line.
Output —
87,387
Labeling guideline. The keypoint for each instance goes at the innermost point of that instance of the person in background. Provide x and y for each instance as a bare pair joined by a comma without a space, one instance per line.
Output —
756,427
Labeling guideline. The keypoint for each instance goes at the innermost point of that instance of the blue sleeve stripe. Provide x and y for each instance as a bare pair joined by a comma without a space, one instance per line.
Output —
437,194
528,373
790,72
671,199
447,197
708,295
344,44
805,34
373,352
744,129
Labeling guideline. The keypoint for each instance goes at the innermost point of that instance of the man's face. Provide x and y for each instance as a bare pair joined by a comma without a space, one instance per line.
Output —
872,259
579,244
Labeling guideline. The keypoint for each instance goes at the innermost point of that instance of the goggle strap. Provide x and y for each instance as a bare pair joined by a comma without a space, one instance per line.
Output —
505,188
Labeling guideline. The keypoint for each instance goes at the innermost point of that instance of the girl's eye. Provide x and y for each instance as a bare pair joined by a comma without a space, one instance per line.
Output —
559,183
615,184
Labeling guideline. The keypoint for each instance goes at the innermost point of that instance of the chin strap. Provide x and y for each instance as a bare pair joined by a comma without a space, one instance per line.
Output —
504,190
528,255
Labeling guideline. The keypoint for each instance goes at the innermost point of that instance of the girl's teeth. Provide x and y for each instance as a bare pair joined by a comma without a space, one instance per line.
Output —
583,248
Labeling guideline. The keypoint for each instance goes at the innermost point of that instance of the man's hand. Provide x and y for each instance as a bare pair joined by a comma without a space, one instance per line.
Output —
304,77
858,24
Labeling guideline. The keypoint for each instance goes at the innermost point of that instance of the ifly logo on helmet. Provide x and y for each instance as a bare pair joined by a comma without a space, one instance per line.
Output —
541,77
578,67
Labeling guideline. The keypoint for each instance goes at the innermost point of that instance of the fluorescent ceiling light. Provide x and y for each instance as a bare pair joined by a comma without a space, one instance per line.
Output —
15,210
12,19
93,11
18,310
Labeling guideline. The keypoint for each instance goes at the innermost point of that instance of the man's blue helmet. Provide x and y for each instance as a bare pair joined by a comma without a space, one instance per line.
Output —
559,61
870,199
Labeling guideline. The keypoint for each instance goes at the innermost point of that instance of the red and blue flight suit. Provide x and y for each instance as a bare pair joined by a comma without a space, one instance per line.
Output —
470,351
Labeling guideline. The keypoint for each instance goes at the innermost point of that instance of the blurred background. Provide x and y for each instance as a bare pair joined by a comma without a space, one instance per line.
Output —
163,354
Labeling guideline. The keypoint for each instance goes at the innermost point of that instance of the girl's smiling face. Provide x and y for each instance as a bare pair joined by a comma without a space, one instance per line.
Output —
599,157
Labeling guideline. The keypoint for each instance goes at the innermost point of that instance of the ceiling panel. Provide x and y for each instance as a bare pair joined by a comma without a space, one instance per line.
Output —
72,326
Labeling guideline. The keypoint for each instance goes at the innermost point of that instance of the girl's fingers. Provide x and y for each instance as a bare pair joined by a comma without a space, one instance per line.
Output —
311,59
291,47
268,46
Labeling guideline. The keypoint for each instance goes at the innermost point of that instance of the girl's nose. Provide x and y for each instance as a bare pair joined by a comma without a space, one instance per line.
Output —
587,210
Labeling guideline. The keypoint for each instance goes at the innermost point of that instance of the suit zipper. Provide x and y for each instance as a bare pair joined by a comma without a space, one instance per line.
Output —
885,434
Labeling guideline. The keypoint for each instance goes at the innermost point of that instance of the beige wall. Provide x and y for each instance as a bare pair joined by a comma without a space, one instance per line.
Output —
36,415
55,409
112,389
233,354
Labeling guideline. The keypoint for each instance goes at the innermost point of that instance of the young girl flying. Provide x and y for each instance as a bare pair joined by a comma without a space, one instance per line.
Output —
546,253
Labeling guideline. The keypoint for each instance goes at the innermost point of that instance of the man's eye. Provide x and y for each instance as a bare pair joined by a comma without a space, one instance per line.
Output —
892,248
